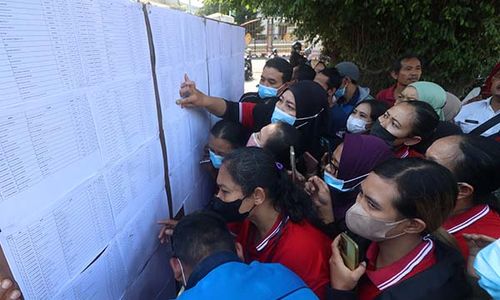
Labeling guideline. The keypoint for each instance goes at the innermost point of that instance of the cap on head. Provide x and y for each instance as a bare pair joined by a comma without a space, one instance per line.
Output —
349,69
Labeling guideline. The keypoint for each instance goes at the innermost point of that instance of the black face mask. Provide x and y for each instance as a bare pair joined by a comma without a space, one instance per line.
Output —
380,132
229,210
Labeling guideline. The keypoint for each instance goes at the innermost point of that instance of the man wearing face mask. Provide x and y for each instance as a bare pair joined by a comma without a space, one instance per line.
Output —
277,72
208,263
348,95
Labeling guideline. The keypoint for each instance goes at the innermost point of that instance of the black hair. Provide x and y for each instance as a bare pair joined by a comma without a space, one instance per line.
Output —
304,72
396,66
230,131
426,119
426,190
282,65
279,143
334,77
199,235
478,164
320,62
253,167
377,108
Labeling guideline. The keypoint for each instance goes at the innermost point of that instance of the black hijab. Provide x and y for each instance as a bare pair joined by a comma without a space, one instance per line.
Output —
310,101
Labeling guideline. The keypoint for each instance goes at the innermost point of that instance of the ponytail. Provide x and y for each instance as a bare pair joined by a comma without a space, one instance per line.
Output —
253,167
445,237
292,200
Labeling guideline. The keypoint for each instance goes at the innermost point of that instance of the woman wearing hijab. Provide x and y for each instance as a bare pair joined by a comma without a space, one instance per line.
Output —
348,166
434,95
303,105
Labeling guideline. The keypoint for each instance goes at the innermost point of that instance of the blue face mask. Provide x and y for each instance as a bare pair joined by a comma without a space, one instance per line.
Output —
340,92
339,184
281,116
484,265
215,159
267,91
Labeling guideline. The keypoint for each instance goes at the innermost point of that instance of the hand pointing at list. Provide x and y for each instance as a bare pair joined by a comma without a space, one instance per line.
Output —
193,98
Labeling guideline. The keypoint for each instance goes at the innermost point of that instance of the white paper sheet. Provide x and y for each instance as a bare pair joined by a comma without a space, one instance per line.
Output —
133,180
212,38
125,116
167,36
139,239
46,150
104,279
46,249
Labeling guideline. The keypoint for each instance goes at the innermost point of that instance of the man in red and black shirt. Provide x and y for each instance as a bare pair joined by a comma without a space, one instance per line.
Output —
475,161
405,71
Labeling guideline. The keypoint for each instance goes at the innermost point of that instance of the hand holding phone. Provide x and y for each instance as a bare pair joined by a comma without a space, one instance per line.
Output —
349,251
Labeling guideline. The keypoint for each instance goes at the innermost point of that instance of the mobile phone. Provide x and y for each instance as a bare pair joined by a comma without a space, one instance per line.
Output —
349,251
311,163
292,162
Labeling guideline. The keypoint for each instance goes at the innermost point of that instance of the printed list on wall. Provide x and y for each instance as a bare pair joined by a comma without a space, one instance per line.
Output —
81,164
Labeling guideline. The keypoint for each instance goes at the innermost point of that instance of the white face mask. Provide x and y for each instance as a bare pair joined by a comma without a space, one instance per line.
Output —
253,142
356,125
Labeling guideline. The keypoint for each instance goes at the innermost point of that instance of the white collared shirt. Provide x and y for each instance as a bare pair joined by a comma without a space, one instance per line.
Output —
474,114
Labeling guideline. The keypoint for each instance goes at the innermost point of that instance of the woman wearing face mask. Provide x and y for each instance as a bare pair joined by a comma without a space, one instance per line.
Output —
400,208
405,125
303,105
225,136
348,166
277,139
277,216
435,95
364,114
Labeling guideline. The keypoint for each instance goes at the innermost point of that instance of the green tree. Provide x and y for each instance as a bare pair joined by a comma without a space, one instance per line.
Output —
458,39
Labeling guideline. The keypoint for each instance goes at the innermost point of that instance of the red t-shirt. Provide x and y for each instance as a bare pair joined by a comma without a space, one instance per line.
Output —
301,247
405,151
376,280
480,219
387,95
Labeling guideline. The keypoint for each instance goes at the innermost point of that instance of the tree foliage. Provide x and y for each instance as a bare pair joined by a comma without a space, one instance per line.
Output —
458,39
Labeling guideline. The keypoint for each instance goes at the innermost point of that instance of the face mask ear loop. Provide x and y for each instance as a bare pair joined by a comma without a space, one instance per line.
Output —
307,118
182,272
356,178
301,125
310,117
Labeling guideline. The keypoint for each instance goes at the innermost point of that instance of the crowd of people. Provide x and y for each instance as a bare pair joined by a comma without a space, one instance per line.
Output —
323,191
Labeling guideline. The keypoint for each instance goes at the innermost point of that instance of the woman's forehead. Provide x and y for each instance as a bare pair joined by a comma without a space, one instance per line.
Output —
402,112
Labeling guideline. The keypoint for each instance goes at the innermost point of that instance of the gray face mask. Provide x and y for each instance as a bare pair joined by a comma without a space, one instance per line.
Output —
362,224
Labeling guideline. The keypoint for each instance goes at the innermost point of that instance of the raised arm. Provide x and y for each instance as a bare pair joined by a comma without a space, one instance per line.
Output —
192,97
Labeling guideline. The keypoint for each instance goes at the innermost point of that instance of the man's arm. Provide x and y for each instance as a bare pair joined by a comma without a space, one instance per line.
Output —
192,97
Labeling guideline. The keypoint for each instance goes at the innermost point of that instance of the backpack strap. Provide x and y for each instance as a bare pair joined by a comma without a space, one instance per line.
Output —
486,125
